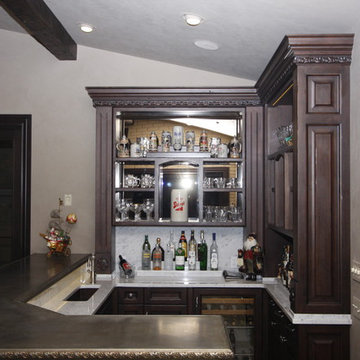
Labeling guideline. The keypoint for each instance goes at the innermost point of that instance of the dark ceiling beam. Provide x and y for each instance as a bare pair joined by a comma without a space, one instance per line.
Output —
39,21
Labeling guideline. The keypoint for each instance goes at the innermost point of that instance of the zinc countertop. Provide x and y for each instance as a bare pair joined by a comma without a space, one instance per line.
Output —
32,332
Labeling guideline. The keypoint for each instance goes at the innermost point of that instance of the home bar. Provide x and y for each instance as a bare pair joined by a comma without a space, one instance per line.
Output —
281,184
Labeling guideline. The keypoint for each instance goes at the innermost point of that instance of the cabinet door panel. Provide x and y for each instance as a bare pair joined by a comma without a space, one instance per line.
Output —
323,214
324,342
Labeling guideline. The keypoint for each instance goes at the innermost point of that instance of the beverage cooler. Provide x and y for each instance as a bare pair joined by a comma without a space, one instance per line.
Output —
239,319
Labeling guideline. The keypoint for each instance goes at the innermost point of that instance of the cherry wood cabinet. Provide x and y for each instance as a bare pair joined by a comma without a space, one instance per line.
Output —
152,103
287,341
307,190
298,195
151,301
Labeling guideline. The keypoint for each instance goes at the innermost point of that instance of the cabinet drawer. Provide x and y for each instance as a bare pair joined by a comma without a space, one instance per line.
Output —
130,295
165,296
165,309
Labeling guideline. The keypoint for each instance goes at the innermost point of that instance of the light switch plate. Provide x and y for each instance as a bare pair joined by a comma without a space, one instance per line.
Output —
67,200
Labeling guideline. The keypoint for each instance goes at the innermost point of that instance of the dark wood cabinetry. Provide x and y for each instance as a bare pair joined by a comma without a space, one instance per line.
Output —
282,335
307,84
296,195
151,301
152,103
287,341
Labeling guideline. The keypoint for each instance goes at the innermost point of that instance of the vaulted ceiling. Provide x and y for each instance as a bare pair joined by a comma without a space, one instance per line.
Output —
247,32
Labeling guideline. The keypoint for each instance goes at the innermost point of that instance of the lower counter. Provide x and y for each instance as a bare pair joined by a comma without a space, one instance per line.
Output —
34,326
32,332
54,296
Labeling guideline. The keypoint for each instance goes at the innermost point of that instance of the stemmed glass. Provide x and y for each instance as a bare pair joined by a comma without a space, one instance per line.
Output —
148,208
123,207
136,209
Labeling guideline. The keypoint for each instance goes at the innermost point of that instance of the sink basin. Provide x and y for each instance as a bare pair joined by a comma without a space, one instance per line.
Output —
82,294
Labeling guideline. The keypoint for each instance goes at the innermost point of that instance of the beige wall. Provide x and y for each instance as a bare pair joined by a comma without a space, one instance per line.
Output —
63,119
355,181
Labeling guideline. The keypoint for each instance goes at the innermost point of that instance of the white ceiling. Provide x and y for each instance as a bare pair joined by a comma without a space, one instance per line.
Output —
247,31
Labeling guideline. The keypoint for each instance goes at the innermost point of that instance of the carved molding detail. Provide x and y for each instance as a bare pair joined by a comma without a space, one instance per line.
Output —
322,59
284,74
177,103
128,355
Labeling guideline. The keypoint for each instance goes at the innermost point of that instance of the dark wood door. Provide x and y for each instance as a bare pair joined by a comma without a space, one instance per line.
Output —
15,155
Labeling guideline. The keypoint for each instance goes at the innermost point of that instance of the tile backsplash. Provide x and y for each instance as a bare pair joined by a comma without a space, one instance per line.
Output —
129,241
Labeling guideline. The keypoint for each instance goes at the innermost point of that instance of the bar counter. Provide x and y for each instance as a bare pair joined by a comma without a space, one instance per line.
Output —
31,332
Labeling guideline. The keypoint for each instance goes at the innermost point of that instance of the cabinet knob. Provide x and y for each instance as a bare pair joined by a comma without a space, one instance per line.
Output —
130,295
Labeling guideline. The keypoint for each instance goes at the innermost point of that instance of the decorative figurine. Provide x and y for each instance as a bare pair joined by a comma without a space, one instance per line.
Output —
252,257
57,237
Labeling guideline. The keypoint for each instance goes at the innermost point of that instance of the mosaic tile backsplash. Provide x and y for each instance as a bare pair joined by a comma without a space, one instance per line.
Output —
129,241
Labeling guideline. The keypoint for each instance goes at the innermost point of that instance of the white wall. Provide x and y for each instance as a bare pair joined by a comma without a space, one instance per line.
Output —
63,119
355,181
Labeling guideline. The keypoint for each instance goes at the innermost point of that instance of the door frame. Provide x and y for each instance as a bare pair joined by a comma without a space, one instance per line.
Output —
21,124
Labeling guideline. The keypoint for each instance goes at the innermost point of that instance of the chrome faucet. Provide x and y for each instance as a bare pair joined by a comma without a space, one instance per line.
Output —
91,268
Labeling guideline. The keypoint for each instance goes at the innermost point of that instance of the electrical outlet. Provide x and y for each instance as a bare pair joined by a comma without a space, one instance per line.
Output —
67,200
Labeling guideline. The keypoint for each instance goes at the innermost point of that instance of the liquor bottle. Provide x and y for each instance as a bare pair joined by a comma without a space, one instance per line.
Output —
146,255
192,252
125,266
183,243
157,255
214,254
203,251
158,240
240,260
168,263
180,258
172,244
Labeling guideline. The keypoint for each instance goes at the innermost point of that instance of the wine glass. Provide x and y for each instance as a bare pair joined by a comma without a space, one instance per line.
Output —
123,207
136,209
148,208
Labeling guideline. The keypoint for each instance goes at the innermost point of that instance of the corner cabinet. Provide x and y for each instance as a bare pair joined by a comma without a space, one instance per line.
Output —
219,196
305,87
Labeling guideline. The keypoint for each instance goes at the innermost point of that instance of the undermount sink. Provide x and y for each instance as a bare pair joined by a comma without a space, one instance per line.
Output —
82,294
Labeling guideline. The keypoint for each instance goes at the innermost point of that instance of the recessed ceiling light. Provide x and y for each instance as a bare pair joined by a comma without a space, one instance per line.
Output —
192,19
206,44
86,28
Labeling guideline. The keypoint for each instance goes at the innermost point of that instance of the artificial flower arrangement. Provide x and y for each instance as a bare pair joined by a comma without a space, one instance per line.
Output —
57,236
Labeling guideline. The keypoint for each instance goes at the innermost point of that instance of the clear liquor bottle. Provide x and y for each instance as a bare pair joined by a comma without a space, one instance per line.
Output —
214,254
172,244
192,252
203,251
146,255
168,263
